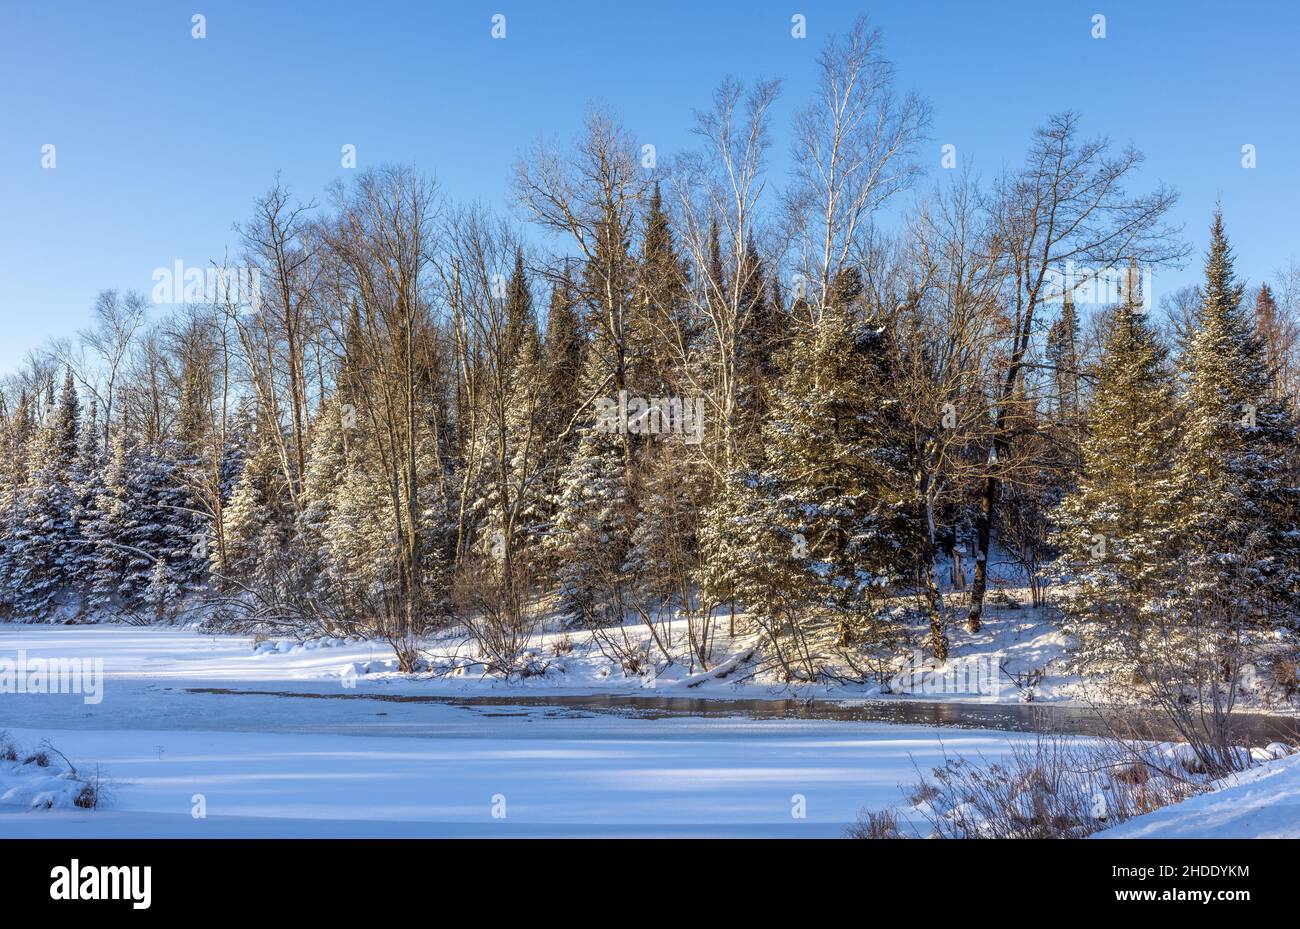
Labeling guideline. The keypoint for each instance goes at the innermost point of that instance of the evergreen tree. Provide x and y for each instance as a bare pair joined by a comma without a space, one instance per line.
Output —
327,470
560,381
659,317
357,534
257,518
43,545
563,351
761,334
1239,505
1281,339
18,430
1115,527
344,532
1063,355
87,484
507,510
106,525
832,491
520,321
168,527
592,528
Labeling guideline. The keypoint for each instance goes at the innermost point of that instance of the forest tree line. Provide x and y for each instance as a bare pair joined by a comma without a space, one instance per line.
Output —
428,418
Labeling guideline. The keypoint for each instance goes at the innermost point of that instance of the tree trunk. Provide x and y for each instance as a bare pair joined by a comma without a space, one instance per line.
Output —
983,532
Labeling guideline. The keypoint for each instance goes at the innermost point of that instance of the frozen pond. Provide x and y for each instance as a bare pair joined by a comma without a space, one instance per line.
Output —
192,724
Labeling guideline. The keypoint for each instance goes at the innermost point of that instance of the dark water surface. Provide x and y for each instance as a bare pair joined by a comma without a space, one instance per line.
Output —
1255,728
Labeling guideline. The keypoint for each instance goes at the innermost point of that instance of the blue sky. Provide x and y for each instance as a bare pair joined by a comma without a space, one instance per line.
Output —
163,141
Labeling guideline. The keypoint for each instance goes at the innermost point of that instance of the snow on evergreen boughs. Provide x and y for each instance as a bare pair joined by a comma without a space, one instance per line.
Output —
1239,508
1115,527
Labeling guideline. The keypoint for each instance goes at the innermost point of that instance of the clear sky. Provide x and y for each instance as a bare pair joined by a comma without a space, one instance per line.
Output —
163,141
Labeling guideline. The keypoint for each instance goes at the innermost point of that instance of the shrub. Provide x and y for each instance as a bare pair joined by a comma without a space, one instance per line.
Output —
1053,788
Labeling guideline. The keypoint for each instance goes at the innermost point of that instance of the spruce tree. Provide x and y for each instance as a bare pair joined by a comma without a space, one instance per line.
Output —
562,352
106,525
761,334
86,486
256,519
592,528
327,469
1063,356
832,491
659,324
1114,528
157,535
519,316
1239,505
18,430
43,546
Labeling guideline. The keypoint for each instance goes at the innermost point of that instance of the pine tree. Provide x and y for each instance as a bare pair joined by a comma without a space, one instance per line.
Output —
608,281
106,526
343,559
525,446
44,544
832,491
87,484
197,488
1115,528
560,378
1281,339
154,535
591,533
169,528
592,529
1239,505
520,320
761,335
18,430
659,325
664,561
256,518
506,510
562,351
327,470
847,291
1063,355
357,537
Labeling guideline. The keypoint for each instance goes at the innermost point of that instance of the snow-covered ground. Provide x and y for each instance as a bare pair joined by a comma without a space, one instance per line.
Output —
1012,643
322,738
1017,644
591,776
1260,803
257,763
31,786
1020,649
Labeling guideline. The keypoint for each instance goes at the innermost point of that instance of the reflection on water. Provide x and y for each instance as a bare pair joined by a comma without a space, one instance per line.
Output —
1254,728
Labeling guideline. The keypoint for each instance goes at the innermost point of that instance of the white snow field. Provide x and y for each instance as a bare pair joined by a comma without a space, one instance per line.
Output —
556,778
304,764
207,736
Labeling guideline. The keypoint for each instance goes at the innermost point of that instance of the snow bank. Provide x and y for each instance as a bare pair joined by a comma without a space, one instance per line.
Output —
33,787
1260,803
563,661
36,780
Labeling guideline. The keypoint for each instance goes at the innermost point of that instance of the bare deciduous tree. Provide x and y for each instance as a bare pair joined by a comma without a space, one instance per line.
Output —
1067,206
